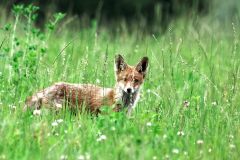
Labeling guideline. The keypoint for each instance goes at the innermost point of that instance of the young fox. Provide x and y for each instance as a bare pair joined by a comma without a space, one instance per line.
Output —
125,94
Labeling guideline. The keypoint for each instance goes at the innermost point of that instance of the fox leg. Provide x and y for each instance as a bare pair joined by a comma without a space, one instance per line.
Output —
117,108
129,111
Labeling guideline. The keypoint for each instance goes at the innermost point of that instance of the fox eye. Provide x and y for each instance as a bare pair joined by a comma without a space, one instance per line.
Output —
125,79
136,80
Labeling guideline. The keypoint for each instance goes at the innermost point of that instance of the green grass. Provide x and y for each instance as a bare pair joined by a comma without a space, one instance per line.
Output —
193,61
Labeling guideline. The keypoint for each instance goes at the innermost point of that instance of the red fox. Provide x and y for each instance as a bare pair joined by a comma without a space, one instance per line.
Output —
125,94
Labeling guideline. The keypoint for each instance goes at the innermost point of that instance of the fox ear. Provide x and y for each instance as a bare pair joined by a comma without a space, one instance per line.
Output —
120,65
142,66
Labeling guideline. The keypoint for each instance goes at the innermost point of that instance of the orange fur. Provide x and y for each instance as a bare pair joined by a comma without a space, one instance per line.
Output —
124,94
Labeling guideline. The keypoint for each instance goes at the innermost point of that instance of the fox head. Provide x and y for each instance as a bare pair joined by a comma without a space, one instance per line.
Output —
130,78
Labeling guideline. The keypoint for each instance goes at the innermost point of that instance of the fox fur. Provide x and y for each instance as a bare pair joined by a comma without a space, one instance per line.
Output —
125,94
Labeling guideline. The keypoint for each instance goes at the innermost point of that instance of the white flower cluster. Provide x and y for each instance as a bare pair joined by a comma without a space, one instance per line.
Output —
57,122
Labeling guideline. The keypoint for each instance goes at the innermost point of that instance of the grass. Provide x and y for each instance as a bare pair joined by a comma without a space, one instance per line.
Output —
189,108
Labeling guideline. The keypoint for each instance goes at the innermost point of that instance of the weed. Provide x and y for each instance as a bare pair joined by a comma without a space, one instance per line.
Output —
189,108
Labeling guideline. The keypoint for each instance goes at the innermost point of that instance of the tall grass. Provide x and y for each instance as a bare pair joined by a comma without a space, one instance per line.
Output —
189,108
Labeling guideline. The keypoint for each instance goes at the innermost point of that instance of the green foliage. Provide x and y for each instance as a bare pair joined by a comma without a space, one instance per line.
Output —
189,108
27,47
18,9
57,17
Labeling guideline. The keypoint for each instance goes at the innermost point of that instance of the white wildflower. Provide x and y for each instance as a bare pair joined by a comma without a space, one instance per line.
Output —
214,103
175,151
148,90
113,128
87,155
54,124
59,120
3,156
231,136
210,150
185,153
180,133
13,107
154,157
200,142
164,136
81,157
101,138
63,157
167,156
37,112
232,146
98,81
186,103
149,124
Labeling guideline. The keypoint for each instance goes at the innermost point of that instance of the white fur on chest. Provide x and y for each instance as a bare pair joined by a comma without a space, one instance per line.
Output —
128,101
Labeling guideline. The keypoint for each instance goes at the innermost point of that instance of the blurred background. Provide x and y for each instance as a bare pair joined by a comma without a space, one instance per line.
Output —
147,13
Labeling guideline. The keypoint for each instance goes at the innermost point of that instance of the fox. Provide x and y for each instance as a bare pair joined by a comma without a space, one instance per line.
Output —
124,95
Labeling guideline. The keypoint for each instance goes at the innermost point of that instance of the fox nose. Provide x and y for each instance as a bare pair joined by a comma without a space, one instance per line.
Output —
129,90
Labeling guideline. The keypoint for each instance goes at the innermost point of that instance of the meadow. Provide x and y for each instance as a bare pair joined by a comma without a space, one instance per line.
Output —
189,107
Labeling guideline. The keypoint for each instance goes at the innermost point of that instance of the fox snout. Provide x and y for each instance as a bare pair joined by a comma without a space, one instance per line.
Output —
128,88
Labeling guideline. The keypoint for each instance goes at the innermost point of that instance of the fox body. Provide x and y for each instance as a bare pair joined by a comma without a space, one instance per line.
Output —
125,94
